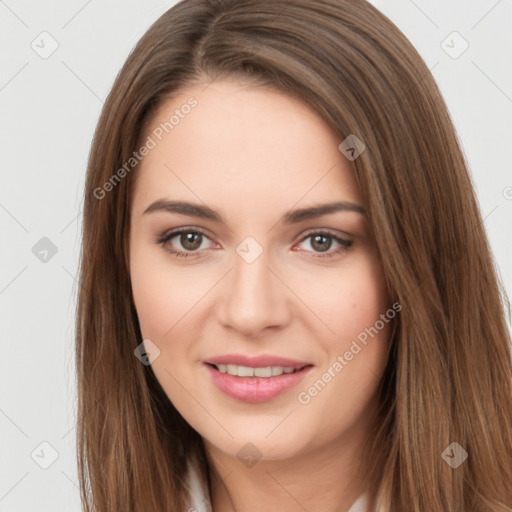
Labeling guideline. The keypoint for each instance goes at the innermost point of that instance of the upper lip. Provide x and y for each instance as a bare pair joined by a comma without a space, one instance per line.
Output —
261,361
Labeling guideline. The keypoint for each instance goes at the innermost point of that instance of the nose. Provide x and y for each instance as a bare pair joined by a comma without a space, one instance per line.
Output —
253,297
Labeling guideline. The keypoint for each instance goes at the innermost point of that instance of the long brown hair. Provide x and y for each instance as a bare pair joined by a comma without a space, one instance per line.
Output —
449,373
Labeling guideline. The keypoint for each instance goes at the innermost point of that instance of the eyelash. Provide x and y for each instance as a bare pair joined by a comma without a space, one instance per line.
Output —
163,239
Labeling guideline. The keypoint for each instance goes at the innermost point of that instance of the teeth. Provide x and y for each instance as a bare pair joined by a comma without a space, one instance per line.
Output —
247,371
263,372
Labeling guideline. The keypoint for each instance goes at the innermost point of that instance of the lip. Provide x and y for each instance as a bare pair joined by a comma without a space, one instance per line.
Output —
256,389
261,361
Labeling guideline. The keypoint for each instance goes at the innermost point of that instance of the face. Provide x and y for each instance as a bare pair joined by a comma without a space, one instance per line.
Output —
252,281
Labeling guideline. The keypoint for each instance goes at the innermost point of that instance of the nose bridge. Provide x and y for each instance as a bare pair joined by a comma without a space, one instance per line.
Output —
254,298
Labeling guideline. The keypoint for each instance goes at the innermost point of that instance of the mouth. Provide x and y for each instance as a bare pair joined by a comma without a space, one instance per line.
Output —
255,384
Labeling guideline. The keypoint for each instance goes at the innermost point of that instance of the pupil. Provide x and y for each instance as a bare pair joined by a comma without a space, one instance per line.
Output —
189,241
317,242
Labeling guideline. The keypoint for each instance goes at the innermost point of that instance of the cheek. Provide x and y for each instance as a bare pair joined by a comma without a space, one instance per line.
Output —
355,356
153,304
154,291
346,300
365,300
164,299
363,334
163,293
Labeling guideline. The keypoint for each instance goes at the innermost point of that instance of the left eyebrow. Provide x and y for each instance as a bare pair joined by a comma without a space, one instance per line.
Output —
290,217
299,215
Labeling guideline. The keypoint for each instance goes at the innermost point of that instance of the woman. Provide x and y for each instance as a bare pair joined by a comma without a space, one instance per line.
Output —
287,295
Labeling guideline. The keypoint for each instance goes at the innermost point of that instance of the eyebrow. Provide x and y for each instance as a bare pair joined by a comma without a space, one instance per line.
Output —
290,217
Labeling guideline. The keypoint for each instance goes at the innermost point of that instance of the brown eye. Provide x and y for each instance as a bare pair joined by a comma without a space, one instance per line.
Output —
189,241
321,242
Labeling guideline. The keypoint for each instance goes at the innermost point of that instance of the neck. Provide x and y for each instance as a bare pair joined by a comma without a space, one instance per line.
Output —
326,479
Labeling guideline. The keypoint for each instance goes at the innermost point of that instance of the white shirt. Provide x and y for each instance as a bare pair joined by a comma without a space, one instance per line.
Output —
200,500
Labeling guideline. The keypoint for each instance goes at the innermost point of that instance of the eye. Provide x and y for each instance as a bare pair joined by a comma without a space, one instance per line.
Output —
190,239
321,241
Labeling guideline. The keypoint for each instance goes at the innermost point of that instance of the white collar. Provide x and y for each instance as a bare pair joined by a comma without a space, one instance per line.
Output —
200,500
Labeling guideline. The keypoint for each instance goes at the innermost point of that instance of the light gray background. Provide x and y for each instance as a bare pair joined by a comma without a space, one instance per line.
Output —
49,110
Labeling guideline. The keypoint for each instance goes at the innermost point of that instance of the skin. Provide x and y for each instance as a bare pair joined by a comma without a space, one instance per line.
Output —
252,154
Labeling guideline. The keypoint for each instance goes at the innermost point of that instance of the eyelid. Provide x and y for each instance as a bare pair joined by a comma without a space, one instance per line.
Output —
345,243
168,235
326,231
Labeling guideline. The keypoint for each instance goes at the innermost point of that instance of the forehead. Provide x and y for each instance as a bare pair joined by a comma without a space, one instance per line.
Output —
241,147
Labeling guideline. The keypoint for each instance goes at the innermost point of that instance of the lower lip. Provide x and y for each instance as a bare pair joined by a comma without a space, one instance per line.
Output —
256,389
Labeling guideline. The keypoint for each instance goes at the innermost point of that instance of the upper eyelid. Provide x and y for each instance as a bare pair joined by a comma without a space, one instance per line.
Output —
178,231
